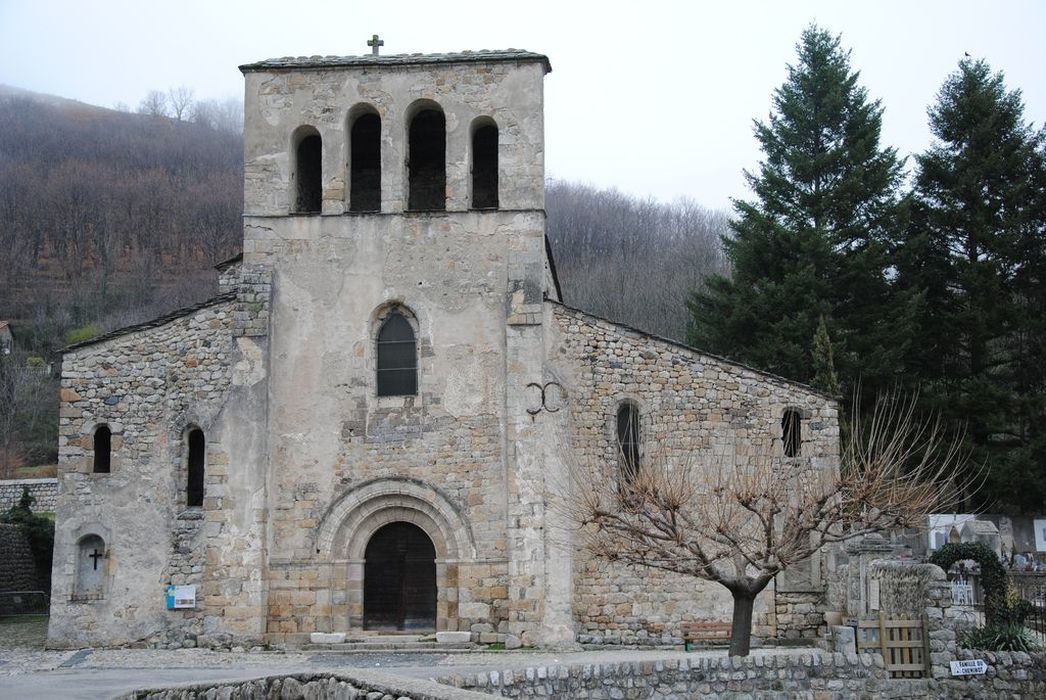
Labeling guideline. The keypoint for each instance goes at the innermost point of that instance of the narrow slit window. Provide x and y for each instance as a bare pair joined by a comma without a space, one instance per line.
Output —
427,164
365,164
397,357
485,167
628,441
103,447
791,430
308,172
197,450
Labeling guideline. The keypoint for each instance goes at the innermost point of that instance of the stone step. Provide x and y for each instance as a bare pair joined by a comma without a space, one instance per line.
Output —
370,641
361,641
359,645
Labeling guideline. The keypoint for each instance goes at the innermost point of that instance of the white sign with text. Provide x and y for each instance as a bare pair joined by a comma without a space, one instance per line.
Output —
974,667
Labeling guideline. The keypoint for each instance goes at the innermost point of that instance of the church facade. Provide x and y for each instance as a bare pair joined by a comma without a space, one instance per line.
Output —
365,430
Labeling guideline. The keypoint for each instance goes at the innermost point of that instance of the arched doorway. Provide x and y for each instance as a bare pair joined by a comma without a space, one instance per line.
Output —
399,580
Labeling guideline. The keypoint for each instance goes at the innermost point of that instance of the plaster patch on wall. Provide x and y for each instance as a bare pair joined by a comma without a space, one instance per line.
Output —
251,368
468,385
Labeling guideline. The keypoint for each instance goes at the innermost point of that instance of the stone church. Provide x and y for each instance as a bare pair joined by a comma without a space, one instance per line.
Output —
363,430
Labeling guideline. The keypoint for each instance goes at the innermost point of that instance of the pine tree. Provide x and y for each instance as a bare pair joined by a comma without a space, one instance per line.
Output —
975,252
814,240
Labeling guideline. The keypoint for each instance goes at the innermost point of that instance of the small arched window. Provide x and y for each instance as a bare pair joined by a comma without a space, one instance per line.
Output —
365,163
628,441
103,448
197,448
791,432
308,169
397,357
485,166
427,161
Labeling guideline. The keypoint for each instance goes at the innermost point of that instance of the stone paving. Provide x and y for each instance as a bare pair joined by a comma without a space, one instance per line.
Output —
29,671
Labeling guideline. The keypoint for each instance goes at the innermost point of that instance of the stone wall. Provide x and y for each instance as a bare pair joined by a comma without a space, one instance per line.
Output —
712,409
800,614
814,676
18,572
149,385
360,685
821,676
909,588
45,491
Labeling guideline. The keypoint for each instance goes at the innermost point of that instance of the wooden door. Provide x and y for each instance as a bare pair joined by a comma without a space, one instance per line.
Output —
399,580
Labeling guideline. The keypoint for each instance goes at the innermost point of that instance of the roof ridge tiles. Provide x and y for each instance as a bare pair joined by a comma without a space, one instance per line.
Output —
314,62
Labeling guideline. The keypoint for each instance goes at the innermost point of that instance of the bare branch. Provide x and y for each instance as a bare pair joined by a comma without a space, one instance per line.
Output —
739,520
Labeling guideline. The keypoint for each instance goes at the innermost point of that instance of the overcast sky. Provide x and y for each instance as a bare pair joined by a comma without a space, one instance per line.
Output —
653,98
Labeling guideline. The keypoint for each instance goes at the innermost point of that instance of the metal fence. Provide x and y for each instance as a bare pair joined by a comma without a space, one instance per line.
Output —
24,603
1031,586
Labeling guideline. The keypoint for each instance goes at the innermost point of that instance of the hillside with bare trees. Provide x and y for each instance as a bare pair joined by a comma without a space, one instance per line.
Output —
629,259
109,218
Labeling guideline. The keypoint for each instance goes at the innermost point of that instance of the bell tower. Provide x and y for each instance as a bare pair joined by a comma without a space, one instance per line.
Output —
397,205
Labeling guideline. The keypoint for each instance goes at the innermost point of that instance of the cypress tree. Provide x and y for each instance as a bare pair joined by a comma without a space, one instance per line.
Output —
813,243
825,377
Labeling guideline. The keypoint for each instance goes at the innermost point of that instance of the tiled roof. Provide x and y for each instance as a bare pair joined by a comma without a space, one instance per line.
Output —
404,59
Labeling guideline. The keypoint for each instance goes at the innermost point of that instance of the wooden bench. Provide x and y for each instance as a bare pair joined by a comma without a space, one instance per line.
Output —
705,633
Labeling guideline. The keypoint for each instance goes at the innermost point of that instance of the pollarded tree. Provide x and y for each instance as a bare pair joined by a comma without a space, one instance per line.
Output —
740,523
814,240
976,252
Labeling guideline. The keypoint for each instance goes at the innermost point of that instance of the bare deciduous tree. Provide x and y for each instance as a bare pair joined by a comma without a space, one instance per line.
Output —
154,104
26,395
740,522
630,259
181,101
221,115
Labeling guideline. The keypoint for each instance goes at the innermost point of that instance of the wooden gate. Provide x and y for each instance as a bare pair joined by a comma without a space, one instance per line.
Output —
903,642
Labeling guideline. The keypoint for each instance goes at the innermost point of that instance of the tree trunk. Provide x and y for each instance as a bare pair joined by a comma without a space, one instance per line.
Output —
741,632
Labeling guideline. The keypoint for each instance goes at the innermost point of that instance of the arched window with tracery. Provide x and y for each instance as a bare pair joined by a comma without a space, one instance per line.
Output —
397,356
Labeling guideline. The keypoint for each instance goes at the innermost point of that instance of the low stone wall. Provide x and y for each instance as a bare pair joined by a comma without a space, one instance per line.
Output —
822,676
694,677
805,675
45,491
361,685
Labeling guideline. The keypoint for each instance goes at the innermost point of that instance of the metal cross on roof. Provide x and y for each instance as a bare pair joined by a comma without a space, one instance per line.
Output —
374,42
